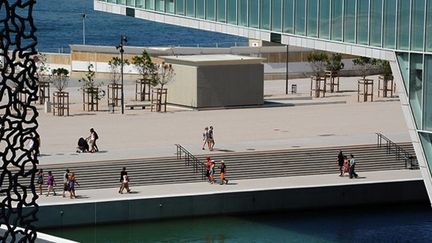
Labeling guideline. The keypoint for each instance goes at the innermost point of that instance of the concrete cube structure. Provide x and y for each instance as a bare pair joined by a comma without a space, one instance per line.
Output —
205,81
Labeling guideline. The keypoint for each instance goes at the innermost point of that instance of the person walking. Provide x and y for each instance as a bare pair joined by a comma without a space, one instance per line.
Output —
212,172
340,159
122,173
205,137
208,166
72,183
92,141
222,173
66,182
352,164
211,141
50,183
125,183
40,181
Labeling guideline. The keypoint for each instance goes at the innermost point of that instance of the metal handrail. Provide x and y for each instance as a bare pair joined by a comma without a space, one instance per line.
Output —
190,159
401,154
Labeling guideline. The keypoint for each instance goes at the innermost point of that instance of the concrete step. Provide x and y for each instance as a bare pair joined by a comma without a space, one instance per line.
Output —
244,165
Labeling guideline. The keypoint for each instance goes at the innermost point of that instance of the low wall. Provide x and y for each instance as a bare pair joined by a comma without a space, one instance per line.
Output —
231,203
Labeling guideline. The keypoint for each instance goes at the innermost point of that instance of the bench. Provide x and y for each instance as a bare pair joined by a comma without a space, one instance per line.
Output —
142,105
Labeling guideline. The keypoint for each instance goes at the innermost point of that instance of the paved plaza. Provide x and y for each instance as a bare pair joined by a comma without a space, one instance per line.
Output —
290,121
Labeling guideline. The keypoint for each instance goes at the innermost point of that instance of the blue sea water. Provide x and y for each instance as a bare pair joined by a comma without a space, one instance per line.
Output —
59,23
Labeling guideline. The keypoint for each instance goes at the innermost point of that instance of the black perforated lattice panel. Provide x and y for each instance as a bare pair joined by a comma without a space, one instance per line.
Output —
18,89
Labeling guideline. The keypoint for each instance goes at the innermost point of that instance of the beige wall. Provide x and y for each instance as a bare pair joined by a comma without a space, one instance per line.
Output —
217,85
183,89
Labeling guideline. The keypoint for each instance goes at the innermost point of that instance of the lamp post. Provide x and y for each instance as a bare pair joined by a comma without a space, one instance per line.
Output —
83,15
123,41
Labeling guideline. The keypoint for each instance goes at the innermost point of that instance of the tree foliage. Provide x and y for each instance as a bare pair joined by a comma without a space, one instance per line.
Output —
115,68
145,66
89,83
334,63
365,64
318,61
60,78
165,74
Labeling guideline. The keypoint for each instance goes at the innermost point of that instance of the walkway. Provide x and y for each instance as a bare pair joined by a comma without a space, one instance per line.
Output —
204,188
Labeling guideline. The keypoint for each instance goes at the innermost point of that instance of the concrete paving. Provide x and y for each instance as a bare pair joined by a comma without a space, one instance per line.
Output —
141,133
296,121
205,188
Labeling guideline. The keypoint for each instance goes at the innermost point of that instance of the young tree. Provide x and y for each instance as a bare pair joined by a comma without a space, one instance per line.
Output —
334,63
89,84
145,66
365,64
165,74
318,61
42,71
60,78
115,68
385,69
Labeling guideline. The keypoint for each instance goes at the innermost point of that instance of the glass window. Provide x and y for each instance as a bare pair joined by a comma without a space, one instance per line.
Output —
362,21
429,26
312,18
243,12
221,11
169,6
337,10
389,24
130,3
349,23
123,2
300,12
324,19
403,61
403,25
160,5
375,22
200,9
417,27
428,94
232,12
150,4
276,15
265,14
288,23
139,3
253,13
426,141
180,8
416,87
210,9
190,8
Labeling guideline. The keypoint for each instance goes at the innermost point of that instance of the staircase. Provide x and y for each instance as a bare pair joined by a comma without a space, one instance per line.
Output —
242,165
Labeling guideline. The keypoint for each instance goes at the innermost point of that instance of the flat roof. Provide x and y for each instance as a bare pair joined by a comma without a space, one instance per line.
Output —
216,59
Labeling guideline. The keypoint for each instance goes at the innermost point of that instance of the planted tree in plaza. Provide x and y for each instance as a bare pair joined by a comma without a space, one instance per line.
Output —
114,87
333,66
43,77
148,70
91,92
60,80
365,65
318,61
165,74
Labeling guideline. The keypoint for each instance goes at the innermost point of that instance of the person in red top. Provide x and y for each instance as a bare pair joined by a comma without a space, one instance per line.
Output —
208,166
